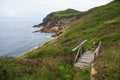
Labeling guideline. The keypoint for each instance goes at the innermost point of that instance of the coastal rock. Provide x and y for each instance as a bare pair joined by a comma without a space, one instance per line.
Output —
56,21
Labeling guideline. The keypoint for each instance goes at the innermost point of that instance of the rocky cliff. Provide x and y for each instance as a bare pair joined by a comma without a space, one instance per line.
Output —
56,21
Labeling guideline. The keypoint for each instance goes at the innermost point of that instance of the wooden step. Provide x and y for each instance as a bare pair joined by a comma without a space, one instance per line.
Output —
85,59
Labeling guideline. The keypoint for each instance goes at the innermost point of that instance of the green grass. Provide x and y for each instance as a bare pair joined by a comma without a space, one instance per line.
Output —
54,60
63,16
103,24
108,64
67,13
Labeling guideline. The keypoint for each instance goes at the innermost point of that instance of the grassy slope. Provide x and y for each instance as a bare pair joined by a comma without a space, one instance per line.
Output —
56,57
101,25
66,13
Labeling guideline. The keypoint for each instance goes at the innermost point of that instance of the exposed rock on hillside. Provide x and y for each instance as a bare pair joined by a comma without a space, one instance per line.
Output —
56,21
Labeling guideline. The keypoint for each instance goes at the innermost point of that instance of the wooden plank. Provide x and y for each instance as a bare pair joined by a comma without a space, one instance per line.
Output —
85,59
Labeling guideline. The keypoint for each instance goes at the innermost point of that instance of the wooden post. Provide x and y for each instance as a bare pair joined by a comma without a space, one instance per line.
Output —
77,54
97,50
92,73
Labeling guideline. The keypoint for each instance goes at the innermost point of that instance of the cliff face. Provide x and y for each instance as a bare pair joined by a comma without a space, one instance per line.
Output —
51,23
56,21
48,20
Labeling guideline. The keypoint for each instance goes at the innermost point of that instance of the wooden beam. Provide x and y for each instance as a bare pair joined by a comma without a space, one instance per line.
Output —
79,45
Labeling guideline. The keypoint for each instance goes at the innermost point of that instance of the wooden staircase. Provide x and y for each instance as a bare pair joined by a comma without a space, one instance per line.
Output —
85,59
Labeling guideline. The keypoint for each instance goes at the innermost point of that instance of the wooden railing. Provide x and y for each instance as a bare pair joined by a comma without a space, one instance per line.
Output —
97,50
93,71
79,52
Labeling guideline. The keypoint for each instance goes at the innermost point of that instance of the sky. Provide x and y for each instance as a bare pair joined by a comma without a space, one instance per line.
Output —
40,8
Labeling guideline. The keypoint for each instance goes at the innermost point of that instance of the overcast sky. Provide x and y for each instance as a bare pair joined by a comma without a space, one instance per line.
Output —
38,8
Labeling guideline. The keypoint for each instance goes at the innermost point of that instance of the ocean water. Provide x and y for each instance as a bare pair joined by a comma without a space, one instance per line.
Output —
16,36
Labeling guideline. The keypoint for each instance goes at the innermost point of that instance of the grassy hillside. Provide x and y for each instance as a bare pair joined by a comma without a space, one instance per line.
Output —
54,60
66,13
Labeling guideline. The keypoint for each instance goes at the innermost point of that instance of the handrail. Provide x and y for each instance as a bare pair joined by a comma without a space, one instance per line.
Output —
79,47
77,54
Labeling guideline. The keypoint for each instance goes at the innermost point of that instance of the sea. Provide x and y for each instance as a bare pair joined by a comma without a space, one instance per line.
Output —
17,37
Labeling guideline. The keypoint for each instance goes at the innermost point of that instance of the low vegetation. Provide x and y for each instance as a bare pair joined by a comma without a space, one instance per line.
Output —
54,60
67,13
